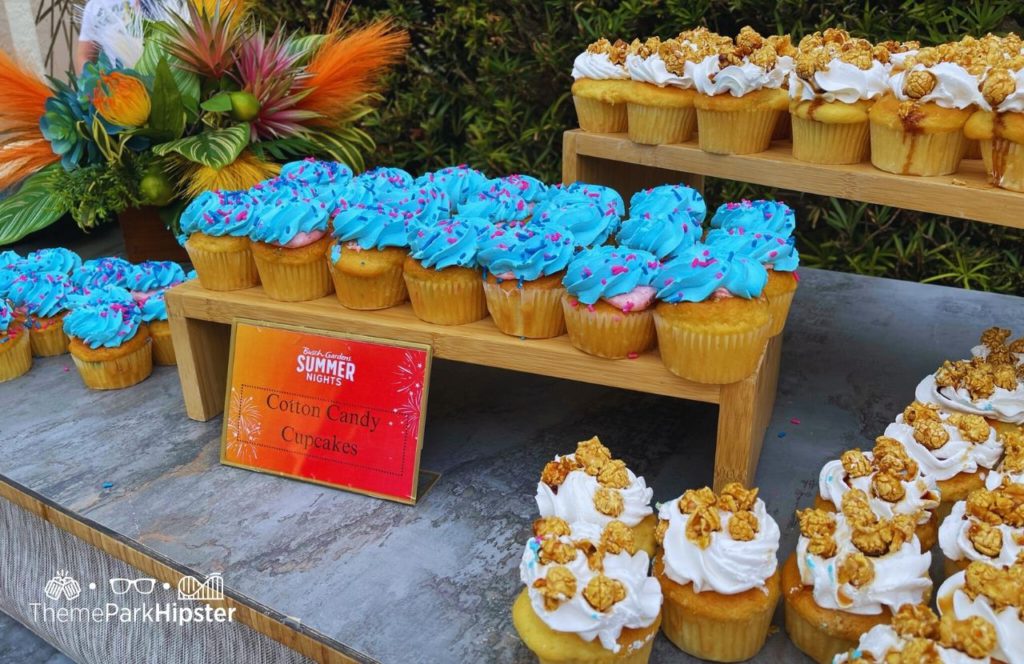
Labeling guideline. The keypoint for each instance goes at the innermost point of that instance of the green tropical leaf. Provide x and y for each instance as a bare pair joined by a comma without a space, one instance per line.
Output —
167,119
32,207
306,45
219,103
154,50
215,148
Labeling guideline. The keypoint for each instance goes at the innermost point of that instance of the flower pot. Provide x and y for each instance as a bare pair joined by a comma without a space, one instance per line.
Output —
147,239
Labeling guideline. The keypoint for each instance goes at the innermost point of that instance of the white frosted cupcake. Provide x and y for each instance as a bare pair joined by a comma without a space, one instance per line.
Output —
995,594
977,387
588,597
985,528
718,571
590,486
892,481
660,101
600,87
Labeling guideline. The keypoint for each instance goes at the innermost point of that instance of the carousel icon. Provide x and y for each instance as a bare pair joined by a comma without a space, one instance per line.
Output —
192,589
62,585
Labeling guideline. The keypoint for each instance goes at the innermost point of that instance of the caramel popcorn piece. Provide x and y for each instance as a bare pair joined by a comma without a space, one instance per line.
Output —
734,498
872,539
918,411
1005,376
975,636
743,526
888,487
1013,450
916,651
618,537
981,505
609,502
890,456
987,540
995,337
591,455
613,474
603,592
555,472
556,551
822,546
819,527
559,585
749,39
694,499
1017,345
856,569
916,620
701,524
973,428
997,585
593,554
930,434
857,508
980,382
550,527
855,463
951,374
660,530
918,84
904,527
764,57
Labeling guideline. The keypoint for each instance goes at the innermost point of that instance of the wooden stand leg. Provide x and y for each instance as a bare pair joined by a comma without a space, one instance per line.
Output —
744,412
201,348
625,180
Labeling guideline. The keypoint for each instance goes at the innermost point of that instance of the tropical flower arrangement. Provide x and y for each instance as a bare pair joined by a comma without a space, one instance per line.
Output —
197,98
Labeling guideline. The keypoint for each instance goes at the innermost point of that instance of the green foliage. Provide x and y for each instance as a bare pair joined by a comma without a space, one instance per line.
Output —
33,207
215,148
98,193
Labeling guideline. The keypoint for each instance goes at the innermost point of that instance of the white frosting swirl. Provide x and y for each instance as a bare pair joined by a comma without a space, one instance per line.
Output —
842,82
574,500
575,615
710,79
597,66
901,577
882,640
921,493
1009,627
652,70
956,545
897,60
957,456
1003,405
727,566
955,87
995,479
1014,103
982,350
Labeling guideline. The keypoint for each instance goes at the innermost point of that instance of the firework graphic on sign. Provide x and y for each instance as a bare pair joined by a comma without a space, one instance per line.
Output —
243,426
408,381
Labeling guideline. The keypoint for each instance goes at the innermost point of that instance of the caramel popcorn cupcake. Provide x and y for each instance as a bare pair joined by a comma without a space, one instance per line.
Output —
998,125
987,527
994,594
588,596
850,571
836,80
956,449
592,487
917,636
660,102
600,86
718,571
917,129
995,343
742,86
892,481
987,386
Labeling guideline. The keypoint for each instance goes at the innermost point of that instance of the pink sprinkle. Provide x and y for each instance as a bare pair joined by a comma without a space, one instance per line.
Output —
452,240
604,282
797,277
773,254
619,269
719,275
794,421
587,273
67,369
633,355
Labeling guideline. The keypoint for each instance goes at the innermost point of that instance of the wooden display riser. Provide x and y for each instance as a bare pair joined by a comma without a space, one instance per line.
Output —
614,160
201,321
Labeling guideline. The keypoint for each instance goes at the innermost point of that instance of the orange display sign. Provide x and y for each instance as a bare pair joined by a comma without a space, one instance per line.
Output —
328,408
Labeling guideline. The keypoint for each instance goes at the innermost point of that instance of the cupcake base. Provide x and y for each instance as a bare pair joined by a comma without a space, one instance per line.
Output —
553,647
830,143
222,263
821,633
922,153
1004,163
47,337
15,355
715,627
163,346
370,279
532,310
927,532
114,368
294,275
601,105
780,290
604,331
452,296
736,132
660,125
643,534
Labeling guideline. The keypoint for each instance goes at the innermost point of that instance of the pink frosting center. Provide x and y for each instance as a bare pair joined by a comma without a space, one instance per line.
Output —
638,299
721,293
303,239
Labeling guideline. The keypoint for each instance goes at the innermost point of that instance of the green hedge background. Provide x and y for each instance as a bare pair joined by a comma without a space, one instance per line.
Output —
487,83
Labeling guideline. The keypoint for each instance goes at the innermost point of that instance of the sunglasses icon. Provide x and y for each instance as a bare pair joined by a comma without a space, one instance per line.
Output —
143,586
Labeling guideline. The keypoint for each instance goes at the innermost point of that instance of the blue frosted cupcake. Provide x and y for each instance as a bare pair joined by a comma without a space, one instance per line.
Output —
457,182
217,226
590,224
15,347
290,239
608,302
150,277
773,217
366,262
712,318
604,197
154,316
111,347
441,272
43,297
663,236
315,173
56,259
498,205
102,272
524,269
676,201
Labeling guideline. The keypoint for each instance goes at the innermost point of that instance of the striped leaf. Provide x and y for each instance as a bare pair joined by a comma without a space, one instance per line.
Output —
215,148
32,208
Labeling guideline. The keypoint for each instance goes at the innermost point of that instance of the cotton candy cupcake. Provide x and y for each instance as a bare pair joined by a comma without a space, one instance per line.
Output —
367,261
592,487
15,348
718,570
589,598
56,259
712,319
590,224
675,201
315,173
102,272
290,238
609,299
605,198
441,273
217,225
43,296
150,277
600,86
457,182
109,344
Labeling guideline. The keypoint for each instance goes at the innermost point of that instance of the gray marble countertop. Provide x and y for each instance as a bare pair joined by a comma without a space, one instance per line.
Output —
435,582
